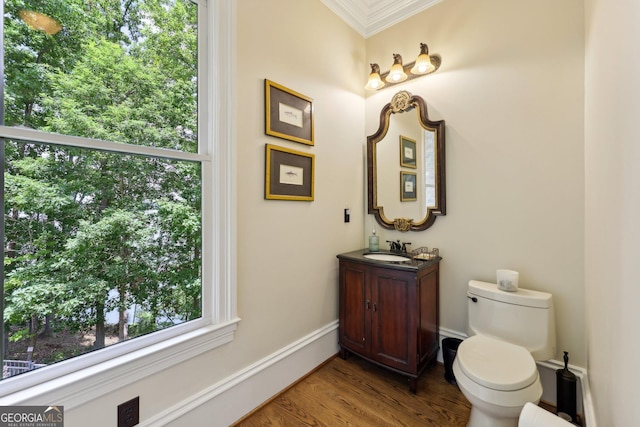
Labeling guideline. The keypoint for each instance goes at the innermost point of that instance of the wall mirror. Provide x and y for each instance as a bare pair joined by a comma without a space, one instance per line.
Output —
406,166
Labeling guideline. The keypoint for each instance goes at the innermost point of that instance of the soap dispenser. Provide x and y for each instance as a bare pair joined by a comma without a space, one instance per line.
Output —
374,242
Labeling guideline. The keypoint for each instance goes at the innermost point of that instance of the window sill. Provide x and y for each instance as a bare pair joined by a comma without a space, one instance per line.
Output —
76,381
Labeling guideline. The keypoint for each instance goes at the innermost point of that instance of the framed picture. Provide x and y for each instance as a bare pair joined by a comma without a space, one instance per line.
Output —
288,174
408,184
289,114
408,153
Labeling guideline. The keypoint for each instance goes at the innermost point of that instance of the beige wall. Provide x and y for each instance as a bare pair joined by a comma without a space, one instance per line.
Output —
286,262
510,89
612,206
287,266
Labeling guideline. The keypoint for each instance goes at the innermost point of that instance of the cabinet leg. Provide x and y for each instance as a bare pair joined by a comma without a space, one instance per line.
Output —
413,385
343,353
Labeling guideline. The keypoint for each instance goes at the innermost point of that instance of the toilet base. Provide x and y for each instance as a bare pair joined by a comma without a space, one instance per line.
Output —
495,408
481,419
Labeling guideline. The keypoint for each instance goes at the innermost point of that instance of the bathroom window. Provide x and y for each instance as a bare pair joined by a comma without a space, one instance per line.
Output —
108,193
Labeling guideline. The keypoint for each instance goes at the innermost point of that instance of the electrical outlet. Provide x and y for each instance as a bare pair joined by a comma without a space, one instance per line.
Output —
129,413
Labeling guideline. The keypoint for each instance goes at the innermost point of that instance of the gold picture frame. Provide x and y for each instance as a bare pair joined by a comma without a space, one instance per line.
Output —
288,114
288,174
408,186
408,153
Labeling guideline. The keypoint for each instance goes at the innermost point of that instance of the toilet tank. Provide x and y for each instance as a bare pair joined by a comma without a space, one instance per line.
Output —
525,317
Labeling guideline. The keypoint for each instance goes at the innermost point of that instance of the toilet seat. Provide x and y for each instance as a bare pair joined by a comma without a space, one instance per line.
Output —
496,364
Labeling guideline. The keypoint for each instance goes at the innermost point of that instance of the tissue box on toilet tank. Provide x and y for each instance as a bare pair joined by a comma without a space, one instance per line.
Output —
507,280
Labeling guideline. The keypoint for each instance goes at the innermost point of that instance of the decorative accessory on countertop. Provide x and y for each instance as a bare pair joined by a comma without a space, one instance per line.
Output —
374,242
424,254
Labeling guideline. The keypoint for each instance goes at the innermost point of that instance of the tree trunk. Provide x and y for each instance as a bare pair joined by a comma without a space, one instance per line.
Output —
33,331
46,331
123,317
100,333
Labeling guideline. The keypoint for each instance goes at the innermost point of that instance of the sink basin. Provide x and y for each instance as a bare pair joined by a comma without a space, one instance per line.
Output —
387,257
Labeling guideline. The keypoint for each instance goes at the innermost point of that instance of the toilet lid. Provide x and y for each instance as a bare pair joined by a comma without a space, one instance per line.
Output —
496,364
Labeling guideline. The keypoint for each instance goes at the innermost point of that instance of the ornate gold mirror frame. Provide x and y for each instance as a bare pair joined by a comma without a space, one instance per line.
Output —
404,102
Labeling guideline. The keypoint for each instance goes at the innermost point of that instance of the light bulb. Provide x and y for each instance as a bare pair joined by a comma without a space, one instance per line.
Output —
423,63
396,74
374,82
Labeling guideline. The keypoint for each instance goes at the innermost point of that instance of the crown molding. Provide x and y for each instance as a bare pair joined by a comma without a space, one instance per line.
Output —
369,17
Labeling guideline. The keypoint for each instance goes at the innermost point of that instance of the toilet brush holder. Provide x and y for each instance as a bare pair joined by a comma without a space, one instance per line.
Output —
566,392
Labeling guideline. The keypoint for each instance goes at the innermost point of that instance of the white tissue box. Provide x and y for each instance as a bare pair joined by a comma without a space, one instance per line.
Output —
507,280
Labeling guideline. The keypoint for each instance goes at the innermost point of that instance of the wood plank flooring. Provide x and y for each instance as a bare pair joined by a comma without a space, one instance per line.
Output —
354,392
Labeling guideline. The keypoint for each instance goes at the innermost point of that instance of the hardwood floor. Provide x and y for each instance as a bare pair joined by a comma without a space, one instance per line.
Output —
354,392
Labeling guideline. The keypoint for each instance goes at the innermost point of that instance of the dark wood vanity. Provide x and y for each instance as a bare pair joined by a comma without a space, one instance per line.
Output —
389,312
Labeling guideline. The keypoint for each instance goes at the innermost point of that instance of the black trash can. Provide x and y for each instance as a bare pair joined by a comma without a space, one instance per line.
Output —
449,350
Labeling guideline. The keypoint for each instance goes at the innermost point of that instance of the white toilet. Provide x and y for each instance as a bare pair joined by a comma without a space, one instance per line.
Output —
495,367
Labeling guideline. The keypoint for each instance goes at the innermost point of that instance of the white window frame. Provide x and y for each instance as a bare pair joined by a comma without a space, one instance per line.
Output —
79,380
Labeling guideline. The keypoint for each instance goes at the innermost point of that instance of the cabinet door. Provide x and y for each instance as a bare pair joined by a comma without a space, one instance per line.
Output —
353,307
393,319
428,337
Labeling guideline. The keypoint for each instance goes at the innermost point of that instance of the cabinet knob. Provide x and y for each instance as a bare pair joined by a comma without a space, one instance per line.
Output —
366,304
375,307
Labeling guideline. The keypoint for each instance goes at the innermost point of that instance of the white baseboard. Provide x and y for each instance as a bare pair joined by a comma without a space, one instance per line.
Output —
232,398
237,395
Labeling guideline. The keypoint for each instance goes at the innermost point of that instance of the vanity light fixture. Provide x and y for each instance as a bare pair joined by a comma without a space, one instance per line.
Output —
423,65
374,82
396,73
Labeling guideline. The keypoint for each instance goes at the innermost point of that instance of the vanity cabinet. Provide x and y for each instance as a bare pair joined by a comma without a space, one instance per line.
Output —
389,312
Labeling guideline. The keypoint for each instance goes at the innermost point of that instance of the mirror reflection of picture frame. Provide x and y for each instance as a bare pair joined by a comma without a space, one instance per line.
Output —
408,186
408,154
288,174
403,102
288,114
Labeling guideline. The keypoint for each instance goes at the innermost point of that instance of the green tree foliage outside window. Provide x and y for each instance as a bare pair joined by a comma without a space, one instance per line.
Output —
99,244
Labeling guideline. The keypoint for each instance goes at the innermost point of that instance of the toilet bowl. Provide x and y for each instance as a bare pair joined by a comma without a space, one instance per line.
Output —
495,367
498,379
